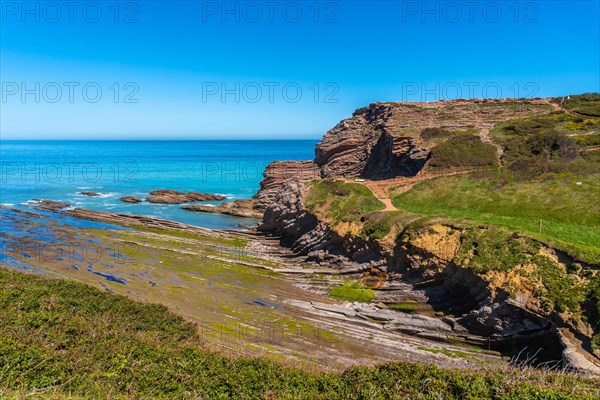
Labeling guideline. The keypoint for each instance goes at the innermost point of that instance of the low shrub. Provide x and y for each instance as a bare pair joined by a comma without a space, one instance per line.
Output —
463,151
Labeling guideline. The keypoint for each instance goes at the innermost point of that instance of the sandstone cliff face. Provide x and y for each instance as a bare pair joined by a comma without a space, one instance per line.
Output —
314,239
369,146
383,140
425,261
277,174
420,266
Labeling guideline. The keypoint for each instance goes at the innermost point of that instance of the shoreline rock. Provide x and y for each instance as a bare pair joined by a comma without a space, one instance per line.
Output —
237,208
167,196
277,174
49,205
89,194
131,199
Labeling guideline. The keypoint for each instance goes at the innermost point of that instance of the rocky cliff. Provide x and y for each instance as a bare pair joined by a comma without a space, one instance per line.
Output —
277,174
431,264
424,265
369,145
385,140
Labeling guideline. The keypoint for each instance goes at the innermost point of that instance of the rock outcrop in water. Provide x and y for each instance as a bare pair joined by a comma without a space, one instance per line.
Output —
49,205
166,196
130,199
237,208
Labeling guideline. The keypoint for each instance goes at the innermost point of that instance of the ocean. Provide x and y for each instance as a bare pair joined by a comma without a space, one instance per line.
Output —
59,170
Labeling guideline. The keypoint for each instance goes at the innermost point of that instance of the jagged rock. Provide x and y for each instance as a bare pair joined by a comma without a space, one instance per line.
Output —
89,194
131,199
368,145
238,208
277,174
306,236
50,205
166,196
574,357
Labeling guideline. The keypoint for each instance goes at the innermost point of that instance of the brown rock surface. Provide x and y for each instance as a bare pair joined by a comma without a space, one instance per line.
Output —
166,196
131,199
383,140
49,204
89,194
238,208
277,174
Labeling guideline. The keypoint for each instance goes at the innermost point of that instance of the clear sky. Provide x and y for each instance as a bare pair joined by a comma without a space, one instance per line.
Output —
274,69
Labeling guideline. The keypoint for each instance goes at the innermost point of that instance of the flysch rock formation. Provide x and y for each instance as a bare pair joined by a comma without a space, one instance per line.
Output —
166,196
279,172
237,208
369,145
382,141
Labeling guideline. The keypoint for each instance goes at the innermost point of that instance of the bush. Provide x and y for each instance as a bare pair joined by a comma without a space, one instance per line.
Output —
584,104
431,133
596,342
463,151
587,140
554,145
593,305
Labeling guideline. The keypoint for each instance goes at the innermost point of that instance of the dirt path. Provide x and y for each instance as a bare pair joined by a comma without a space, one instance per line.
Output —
381,189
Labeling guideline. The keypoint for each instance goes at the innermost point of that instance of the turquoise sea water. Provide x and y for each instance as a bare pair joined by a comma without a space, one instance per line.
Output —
59,170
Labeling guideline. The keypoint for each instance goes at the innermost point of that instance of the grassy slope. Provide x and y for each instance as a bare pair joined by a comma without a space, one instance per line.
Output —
570,213
64,339
537,180
343,202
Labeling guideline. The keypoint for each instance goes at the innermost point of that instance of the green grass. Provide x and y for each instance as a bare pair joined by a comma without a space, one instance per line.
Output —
463,151
352,291
448,353
61,339
569,213
378,224
406,307
585,104
345,202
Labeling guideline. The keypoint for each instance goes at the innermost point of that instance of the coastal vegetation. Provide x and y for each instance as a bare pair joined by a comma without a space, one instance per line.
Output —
519,209
352,291
463,151
62,339
343,201
559,209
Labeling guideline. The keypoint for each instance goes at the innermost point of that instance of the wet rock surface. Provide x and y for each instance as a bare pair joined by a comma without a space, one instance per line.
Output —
237,208
336,334
167,196
89,194
49,205
131,199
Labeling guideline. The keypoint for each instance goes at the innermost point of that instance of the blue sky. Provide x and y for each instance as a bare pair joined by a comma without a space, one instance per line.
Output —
286,69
